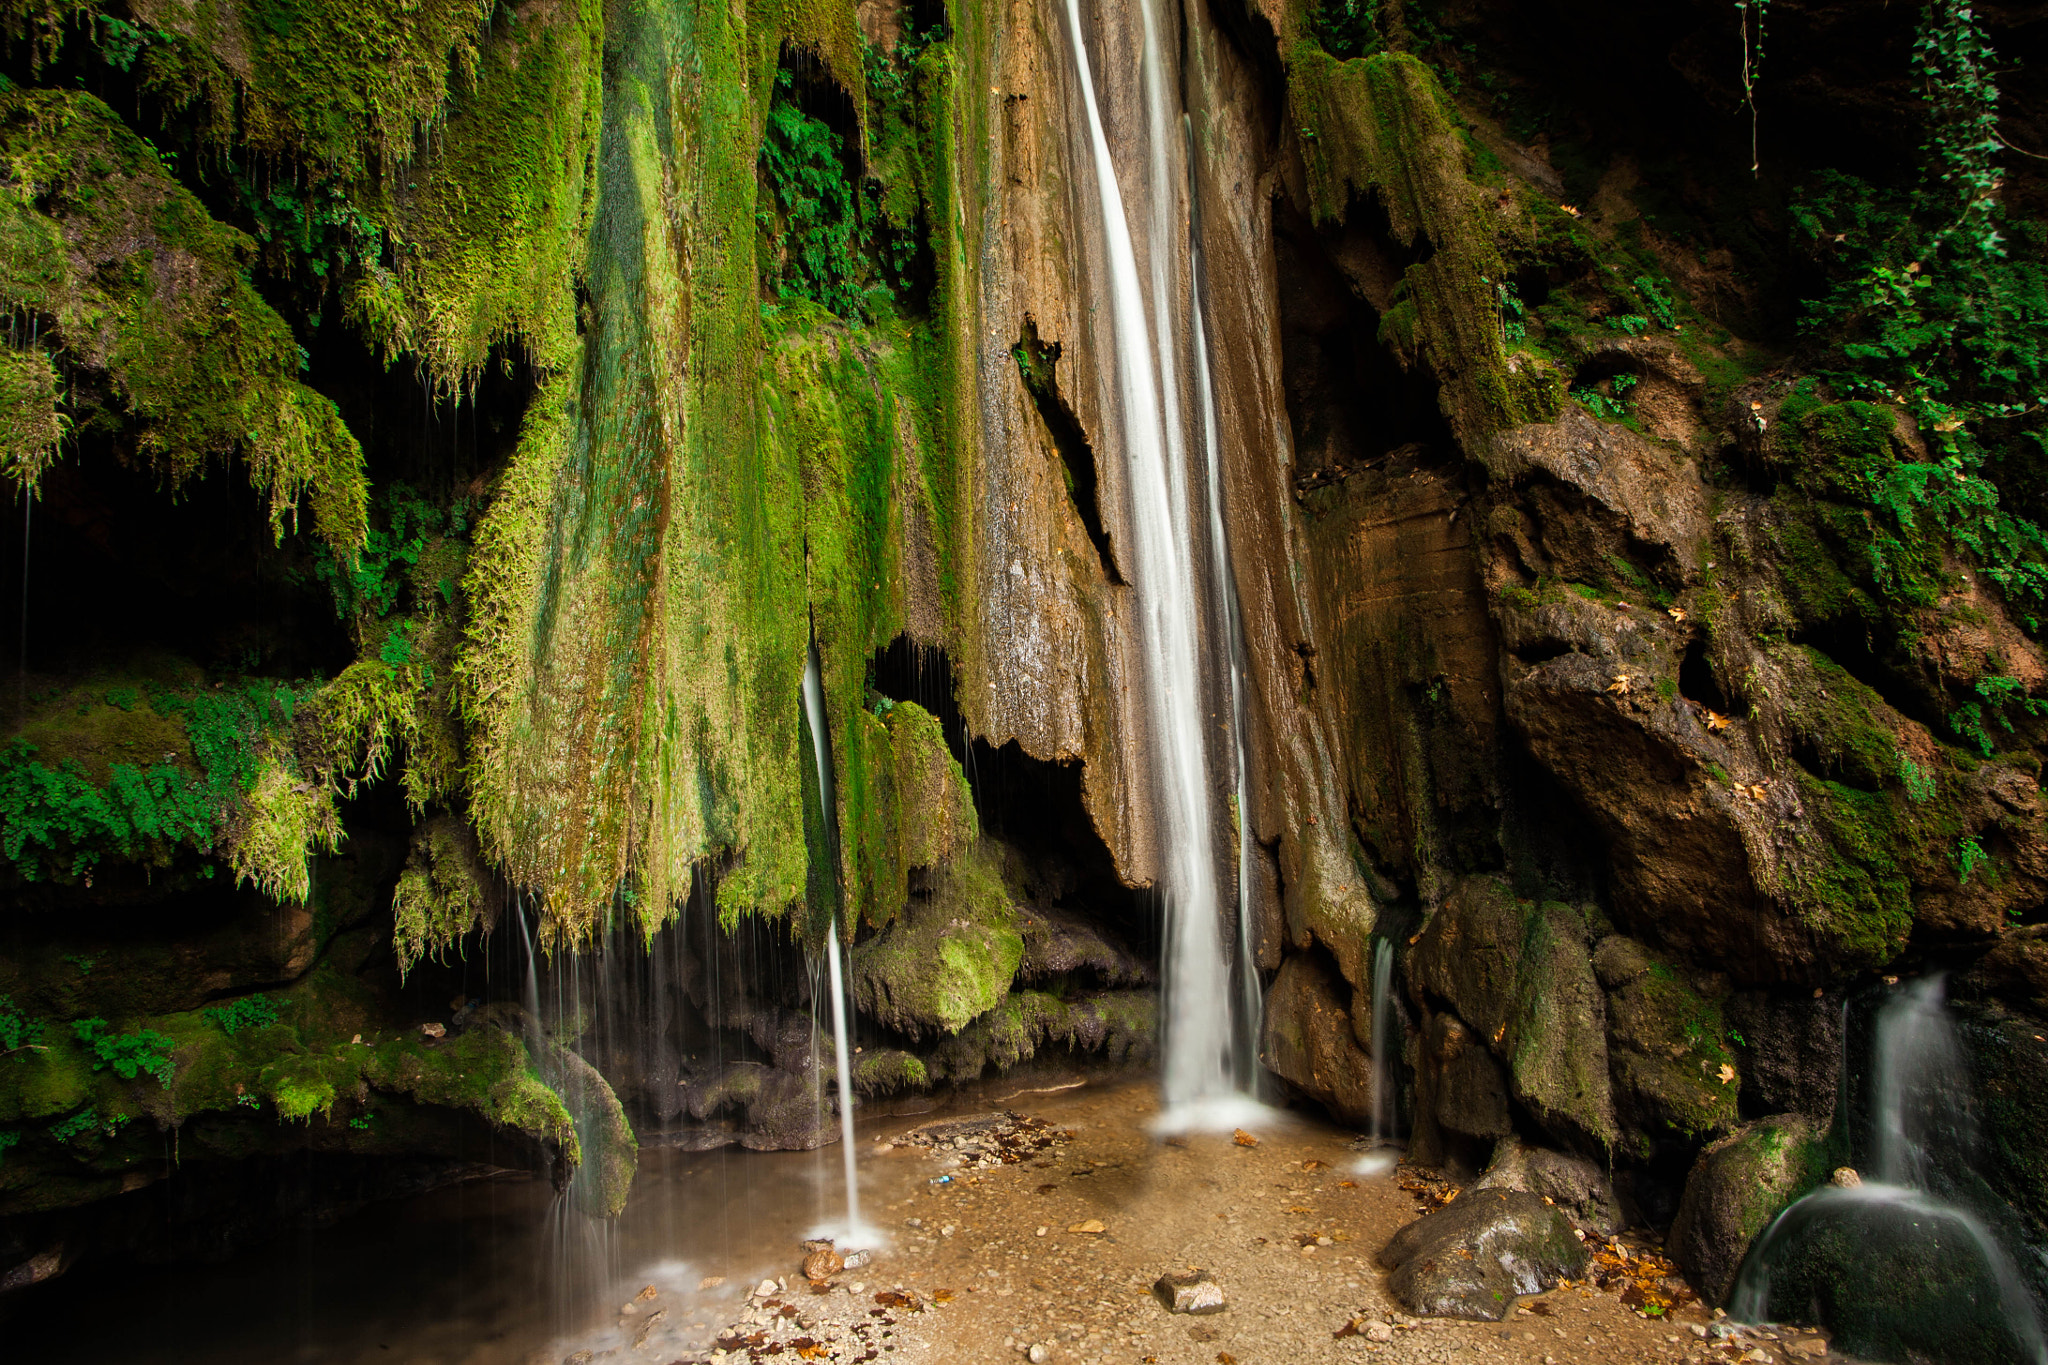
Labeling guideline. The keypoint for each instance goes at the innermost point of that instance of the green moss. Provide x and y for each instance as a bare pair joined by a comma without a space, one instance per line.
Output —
489,227
947,958
889,1070
30,425
1381,125
147,292
442,894
1119,1027
344,84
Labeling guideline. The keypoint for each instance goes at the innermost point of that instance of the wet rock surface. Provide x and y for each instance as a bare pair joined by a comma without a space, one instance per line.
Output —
1738,1185
1476,1255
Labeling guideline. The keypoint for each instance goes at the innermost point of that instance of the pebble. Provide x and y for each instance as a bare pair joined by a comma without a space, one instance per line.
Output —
1038,1355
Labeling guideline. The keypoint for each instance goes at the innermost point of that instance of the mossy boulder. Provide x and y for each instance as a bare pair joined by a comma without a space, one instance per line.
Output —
1736,1188
1114,1028
1667,1042
949,957
1520,975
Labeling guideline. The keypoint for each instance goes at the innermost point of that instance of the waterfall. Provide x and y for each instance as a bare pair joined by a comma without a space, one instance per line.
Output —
1378,1159
1198,1042
1922,1115
821,754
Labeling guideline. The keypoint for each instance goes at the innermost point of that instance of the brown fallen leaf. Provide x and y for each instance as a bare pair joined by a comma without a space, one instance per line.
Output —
1620,684
943,1296
1091,1226
1717,721
1347,1184
1727,1073
1244,1139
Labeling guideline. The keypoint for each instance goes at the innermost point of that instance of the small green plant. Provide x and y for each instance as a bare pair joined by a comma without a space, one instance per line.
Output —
1735,1037
124,698
1657,301
79,1124
17,1030
1995,698
248,1101
129,1054
360,1124
1635,324
1919,784
249,1011
1609,406
9,1137
1969,855
401,524
83,963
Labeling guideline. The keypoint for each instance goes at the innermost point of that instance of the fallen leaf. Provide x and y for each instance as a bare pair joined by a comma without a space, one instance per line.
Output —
1717,721
1313,1165
1090,1226
1353,1184
943,1296
1620,684
1726,1073
1676,613
1225,1358
1244,1139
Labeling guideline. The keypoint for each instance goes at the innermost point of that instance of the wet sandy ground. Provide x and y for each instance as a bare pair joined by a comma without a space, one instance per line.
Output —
973,1270
999,1259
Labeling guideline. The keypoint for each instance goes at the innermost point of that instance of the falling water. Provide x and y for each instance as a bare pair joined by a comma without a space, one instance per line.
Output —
1922,1114
1379,1159
1197,1026
821,753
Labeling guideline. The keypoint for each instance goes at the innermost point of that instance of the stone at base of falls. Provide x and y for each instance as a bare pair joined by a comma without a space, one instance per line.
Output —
1575,1184
822,1263
1195,1293
1845,1178
1895,1275
1736,1187
1471,1258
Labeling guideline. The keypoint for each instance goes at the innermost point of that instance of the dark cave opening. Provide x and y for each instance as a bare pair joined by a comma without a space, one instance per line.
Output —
1350,401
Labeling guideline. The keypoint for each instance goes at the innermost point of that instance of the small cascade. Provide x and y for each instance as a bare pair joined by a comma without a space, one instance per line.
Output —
821,754
1208,1063
1953,1291
1381,1157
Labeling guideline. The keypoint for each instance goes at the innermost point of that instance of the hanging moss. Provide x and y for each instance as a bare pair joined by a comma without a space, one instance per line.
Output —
949,957
489,226
145,296
342,84
1381,126
444,892
30,425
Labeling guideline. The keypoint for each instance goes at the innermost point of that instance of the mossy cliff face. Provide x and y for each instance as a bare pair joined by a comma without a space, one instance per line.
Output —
1605,648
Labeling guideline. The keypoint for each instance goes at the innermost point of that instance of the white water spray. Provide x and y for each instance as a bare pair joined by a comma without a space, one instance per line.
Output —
821,753
1198,1073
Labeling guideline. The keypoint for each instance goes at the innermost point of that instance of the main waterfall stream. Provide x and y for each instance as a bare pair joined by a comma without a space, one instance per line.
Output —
1207,1039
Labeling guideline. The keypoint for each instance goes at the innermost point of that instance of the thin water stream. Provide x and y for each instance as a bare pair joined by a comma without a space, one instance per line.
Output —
854,1230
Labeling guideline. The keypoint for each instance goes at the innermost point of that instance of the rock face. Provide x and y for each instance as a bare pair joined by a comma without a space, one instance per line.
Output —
1471,1258
1308,1040
1738,1185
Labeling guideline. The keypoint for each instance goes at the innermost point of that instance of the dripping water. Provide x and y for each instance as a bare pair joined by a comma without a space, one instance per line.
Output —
821,754
1922,1115
1198,1043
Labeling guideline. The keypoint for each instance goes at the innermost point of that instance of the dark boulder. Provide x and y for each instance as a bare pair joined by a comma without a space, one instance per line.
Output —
1471,1258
